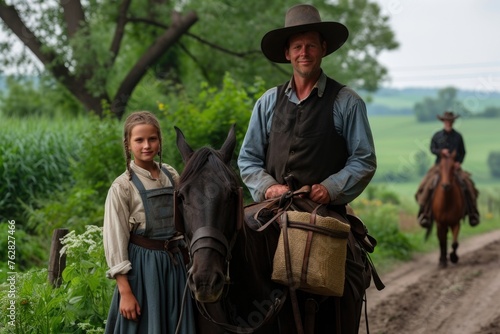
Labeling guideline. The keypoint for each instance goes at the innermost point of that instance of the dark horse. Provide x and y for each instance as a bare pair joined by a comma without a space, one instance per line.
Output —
448,207
230,264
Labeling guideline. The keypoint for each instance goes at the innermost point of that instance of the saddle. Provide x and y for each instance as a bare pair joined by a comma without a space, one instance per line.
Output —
262,215
259,215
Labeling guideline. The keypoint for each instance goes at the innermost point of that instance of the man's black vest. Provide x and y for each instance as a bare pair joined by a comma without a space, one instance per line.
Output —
303,141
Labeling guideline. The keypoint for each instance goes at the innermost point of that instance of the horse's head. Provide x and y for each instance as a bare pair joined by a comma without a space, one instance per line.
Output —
209,211
447,169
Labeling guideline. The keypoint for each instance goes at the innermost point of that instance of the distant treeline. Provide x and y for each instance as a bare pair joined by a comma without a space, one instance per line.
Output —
426,103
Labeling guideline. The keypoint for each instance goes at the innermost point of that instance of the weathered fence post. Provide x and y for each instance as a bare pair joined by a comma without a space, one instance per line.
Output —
57,263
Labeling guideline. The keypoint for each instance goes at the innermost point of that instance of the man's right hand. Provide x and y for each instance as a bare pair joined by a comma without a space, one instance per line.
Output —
276,190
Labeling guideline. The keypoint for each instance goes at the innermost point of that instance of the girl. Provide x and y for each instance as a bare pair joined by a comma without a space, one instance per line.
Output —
141,245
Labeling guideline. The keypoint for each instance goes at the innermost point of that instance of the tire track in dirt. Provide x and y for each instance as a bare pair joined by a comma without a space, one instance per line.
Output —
421,298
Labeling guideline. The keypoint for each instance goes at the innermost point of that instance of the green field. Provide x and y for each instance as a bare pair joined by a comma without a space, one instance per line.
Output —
399,138
397,141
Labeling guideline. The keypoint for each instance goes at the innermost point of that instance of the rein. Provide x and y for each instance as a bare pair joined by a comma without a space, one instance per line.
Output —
210,237
273,309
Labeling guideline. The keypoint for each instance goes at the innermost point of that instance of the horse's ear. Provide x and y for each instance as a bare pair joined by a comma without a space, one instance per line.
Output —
184,148
227,148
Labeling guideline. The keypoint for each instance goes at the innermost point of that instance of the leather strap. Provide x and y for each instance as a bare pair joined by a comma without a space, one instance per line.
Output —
288,265
284,203
311,307
171,245
307,250
338,321
274,309
319,229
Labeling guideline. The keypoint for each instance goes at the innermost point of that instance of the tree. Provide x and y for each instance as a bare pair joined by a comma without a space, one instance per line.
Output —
101,50
429,108
490,112
240,24
70,41
494,164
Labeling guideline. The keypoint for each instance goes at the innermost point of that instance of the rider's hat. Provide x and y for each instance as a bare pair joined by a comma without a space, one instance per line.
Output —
448,116
298,19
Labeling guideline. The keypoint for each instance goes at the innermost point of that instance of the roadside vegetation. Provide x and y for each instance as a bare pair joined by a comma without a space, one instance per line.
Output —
61,132
57,172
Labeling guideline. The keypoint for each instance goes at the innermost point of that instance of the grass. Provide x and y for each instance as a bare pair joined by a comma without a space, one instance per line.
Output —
398,140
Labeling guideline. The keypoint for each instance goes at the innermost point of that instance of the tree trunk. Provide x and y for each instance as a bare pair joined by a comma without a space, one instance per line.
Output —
180,25
77,84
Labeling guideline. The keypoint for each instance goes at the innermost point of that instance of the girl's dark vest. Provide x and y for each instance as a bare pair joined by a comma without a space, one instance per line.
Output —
159,209
303,141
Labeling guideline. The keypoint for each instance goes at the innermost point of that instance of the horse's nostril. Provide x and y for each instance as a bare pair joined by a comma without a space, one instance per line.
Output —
218,280
207,288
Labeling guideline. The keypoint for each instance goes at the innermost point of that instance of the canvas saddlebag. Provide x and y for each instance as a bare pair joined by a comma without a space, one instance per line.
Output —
305,227
311,253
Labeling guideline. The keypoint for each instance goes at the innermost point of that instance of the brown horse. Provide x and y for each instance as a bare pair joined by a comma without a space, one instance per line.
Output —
448,207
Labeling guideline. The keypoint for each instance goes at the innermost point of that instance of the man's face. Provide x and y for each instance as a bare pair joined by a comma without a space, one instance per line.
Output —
448,124
305,52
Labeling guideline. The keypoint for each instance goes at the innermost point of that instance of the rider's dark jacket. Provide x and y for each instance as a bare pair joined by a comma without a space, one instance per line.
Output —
452,140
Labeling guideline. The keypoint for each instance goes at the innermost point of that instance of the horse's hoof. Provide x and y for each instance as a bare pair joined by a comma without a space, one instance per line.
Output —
453,257
443,263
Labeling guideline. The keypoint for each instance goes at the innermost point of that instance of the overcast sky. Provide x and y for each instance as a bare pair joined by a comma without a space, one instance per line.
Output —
444,43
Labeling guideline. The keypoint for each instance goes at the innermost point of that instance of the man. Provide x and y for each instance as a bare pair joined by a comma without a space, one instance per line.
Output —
311,129
445,142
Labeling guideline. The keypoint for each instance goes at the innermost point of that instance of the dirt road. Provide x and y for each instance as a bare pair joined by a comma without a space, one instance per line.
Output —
421,298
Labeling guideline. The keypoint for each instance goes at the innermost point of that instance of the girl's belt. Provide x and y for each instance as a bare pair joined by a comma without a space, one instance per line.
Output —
171,245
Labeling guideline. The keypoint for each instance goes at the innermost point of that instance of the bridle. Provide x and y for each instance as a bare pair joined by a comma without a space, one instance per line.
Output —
208,236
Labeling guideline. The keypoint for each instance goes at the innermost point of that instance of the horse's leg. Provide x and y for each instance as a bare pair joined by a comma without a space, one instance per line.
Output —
442,231
453,255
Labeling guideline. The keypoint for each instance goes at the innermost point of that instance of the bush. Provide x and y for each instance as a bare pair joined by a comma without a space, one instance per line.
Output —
56,174
97,162
34,165
206,119
34,162
32,253
494,163
382,221
46,166
382,194
37,97
79,305
67,167
87,289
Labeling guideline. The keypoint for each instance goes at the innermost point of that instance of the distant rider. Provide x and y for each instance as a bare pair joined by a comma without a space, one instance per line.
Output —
445,142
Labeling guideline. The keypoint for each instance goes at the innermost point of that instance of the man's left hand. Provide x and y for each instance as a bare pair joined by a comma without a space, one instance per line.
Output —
319,194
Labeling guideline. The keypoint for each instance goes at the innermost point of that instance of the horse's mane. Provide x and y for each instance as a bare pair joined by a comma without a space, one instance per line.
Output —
207,157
